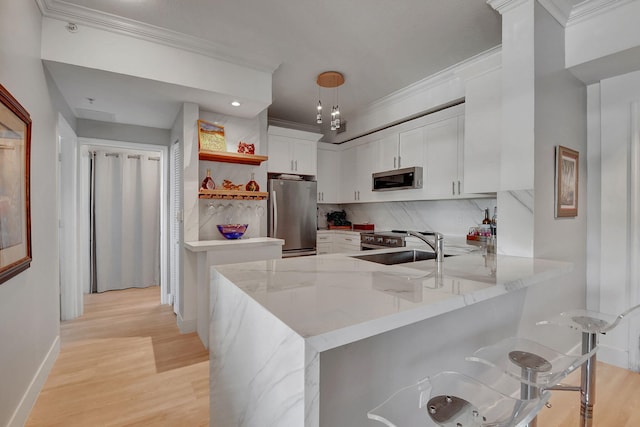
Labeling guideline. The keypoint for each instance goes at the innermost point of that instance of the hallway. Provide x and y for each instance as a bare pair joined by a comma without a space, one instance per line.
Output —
125,363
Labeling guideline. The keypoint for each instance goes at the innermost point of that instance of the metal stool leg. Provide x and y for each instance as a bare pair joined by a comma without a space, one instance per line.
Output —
588,380
531,364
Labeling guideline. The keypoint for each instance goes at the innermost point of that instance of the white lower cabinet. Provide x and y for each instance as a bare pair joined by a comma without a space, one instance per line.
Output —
337,241
324,242
346,242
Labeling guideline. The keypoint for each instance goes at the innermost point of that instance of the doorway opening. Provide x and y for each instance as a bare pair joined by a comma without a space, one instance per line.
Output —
104,248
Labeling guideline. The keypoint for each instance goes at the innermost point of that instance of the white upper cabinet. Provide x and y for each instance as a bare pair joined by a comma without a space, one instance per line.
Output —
292,151
328,167
483,133
399,150
411,148
348,185
355,173
387,153
442,161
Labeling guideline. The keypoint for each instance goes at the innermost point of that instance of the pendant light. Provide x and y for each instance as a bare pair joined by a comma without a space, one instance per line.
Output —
332,80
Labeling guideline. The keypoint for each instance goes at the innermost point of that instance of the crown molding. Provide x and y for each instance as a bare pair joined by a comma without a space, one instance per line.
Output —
559,9
442,77
502,6
592,8
65,11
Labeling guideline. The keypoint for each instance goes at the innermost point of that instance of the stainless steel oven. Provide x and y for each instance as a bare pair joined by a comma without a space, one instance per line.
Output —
381,240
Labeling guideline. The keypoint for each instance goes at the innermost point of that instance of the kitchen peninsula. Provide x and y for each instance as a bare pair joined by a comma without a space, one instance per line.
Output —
318,341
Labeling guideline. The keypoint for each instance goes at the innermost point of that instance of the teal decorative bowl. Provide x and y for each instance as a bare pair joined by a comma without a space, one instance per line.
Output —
232,231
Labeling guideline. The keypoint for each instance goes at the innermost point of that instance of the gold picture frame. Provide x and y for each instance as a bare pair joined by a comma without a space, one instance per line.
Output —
15,214
211,137
566,185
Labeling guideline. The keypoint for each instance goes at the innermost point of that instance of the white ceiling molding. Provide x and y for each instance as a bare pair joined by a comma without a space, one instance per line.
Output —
559,9
502,6
450,78
432,81
592,8
61,10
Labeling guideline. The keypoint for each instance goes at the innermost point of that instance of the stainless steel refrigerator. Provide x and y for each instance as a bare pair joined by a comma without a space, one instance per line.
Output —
292,215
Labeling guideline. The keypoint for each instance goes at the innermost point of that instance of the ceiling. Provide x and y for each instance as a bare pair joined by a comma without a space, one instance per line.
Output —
379,46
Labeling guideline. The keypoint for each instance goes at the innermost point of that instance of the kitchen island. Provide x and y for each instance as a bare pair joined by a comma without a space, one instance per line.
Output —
318,341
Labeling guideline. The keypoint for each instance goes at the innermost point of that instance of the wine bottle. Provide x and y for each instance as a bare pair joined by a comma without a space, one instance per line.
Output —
486,219
207,182
252,185
494,222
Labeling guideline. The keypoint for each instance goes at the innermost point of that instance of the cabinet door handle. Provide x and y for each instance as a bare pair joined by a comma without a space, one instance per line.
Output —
394,162
458,187
358,194
399,162
296,165
453,188
355,197
291,168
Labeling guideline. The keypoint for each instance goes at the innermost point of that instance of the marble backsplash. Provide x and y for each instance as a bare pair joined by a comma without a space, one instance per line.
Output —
450,217
214,212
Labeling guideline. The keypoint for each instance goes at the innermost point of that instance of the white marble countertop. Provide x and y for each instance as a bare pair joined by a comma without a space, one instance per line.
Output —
205,245
331,300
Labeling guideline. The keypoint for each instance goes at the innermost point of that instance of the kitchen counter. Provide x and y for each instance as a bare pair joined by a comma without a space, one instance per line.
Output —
273,322
208,253
206,245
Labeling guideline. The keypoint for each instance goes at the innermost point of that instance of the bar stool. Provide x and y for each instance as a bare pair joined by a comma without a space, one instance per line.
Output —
537,367
452,399
590,323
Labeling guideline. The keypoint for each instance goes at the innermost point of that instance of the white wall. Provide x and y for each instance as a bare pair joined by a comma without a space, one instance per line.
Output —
122,132
29,302
184,130
605,44
560,119
610,142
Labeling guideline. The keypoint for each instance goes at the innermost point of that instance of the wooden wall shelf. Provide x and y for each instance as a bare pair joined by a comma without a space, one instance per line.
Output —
233,195
229,157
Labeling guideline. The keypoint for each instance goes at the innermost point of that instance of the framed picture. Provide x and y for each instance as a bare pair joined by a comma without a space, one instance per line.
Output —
15,216
211,137
566,203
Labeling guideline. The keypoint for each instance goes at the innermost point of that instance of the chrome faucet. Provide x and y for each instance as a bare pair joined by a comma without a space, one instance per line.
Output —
437,245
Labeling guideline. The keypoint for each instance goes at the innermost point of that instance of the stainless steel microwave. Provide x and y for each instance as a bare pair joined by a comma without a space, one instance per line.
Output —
397,179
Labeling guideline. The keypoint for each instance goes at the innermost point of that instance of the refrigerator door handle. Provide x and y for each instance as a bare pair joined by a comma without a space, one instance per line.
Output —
274,217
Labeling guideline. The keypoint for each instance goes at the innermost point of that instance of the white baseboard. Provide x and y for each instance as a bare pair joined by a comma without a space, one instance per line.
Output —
186,326
20,415
613,356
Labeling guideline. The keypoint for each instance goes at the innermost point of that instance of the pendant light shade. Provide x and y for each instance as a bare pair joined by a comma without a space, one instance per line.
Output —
332,80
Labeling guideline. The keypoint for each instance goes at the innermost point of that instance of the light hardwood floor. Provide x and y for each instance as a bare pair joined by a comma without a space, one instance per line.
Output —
125,363
617,400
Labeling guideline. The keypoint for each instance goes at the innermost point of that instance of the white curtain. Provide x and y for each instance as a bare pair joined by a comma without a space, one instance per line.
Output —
127,220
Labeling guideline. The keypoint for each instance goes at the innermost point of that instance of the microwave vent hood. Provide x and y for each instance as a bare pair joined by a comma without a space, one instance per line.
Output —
397,179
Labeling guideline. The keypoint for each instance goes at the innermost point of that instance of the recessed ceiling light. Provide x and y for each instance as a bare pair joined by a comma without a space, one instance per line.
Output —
235,103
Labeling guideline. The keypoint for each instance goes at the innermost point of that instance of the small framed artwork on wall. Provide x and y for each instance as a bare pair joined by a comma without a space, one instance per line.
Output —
566,188
15,216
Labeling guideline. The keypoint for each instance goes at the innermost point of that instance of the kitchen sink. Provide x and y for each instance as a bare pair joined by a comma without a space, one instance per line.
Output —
391,258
